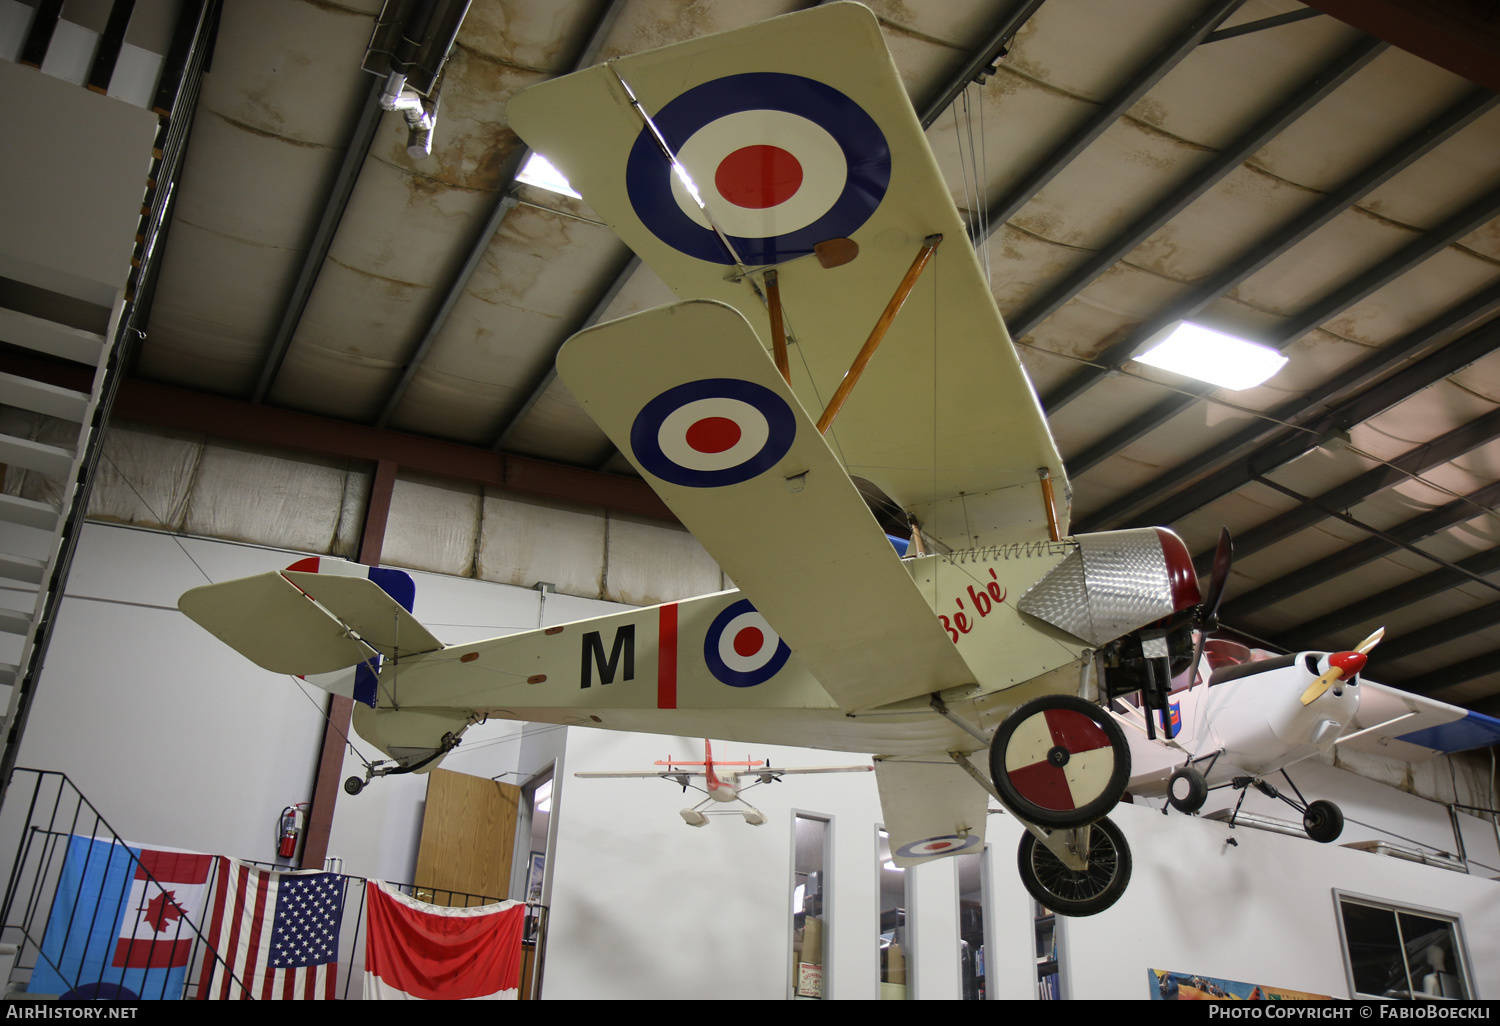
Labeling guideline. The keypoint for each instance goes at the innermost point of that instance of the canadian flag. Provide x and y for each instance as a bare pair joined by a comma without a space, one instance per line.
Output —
414,950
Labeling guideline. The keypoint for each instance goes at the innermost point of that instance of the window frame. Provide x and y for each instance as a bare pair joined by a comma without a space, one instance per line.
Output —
1459,954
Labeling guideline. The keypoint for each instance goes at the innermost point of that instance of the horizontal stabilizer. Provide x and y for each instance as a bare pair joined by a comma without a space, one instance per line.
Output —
278,625
931,807
688,394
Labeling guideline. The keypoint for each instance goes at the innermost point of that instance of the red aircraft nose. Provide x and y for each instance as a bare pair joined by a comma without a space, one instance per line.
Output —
1350,662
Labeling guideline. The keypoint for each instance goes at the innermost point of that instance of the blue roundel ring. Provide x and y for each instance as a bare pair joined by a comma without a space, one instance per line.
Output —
780,431
648,175
946,845
721,670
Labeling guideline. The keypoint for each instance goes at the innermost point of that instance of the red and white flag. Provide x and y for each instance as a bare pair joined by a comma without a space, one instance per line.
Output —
414,950
276,934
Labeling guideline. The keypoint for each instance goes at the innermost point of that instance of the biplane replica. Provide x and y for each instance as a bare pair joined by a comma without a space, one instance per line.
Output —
1240,719
727,790
777,178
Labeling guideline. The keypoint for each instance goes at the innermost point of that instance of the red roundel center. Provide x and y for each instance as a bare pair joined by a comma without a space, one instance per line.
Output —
758,176
940,845
749,641
713,434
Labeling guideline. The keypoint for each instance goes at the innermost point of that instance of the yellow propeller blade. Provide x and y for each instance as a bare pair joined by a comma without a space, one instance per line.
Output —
1336,673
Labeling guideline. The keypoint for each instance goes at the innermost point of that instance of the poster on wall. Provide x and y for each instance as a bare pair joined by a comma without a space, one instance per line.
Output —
1169,986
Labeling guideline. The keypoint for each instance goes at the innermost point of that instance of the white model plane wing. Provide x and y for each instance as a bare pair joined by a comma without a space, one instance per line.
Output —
1414,728
688,394
797,132
931,807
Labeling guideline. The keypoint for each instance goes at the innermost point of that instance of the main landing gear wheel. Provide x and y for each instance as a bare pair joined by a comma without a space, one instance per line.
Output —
1077,892
1187,790
1059,761
1323,821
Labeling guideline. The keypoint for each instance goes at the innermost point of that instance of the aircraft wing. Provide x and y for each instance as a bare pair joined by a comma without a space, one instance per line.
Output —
778,771
688,394
640,774
931,808
797,131
1413,728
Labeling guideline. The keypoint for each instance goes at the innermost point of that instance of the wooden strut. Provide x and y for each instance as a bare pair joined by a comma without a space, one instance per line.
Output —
857,368
1053,531
778,328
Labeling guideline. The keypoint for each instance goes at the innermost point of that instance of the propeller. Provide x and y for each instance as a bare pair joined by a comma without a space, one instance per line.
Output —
1340,666
1208,610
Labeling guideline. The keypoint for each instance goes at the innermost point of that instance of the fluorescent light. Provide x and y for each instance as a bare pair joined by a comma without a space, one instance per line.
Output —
539,171
1212,356
892,867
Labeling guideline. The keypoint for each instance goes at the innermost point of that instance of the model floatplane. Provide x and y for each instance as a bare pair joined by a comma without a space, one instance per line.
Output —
724,783
777,178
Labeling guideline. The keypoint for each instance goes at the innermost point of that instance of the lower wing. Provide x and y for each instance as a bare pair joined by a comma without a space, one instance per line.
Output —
931,808
689,395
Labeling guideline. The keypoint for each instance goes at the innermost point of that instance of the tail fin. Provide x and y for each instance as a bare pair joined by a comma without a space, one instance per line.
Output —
314,620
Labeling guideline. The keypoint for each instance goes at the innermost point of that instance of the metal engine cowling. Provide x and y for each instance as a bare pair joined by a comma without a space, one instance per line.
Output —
1115,582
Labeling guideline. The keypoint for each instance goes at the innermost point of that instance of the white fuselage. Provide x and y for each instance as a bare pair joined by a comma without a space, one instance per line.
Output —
1258,721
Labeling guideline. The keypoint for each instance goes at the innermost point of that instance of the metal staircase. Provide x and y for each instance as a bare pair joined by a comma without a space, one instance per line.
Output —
42,342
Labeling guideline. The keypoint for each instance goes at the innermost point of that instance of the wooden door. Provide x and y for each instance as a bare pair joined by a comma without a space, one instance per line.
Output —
468,833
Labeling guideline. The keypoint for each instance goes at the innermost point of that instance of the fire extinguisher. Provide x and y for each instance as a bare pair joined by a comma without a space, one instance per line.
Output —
289,830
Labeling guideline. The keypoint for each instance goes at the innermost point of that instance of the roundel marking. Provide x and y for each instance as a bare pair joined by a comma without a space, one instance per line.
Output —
741,649
1059,759
781,161
944,845
713,432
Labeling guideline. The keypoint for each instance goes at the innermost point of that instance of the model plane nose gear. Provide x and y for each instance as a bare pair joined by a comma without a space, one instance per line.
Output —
1322,819
354,785
1070,891
1059,761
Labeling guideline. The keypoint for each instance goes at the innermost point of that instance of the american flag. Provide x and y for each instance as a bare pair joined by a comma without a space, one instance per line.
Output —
277,934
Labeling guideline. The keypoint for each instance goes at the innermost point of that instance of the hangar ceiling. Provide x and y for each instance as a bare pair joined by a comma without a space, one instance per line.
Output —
1259,165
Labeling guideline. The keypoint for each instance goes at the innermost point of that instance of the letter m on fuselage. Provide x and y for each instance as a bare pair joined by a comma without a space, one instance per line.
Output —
593,656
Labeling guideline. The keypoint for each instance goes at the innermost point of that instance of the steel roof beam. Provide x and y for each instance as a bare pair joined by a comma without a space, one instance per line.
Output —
1311,417
1275,21
504,201
982,61
1458,673
1299,102
317,248
1403,535
1315,632
1414,461
1362,285
545,381
1146,76
1376,173
1440,633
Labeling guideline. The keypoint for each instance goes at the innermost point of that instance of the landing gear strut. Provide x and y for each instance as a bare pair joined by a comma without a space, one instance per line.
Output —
1322,819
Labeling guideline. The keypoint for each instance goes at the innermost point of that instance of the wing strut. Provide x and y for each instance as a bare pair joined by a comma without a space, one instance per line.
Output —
883,325
778,327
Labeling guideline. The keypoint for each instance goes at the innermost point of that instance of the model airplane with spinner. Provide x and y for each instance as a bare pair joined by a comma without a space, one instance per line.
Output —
1243,717
726,790
777,178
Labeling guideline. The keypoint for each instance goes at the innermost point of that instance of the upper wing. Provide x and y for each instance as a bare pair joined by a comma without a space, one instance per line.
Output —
931,808
689,396
1413,728
797,131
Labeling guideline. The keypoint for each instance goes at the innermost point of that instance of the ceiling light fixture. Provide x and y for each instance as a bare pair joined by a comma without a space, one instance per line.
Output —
539,171
1224,360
